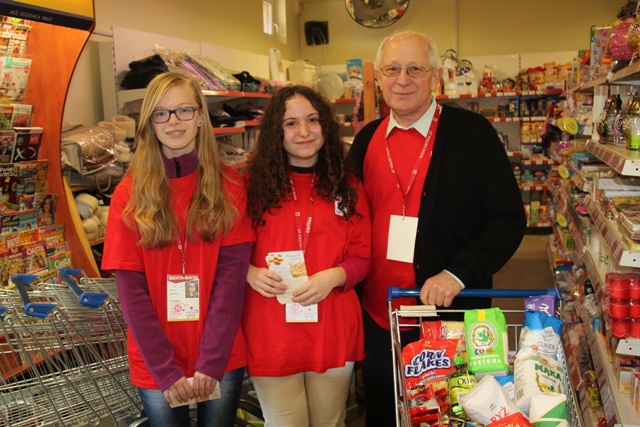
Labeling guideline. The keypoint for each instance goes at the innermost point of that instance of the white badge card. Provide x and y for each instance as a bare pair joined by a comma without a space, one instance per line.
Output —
402,238
297,313
291,267
183,297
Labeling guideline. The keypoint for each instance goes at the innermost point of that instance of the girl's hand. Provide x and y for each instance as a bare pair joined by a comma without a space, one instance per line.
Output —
203,385
319,286
180,390
266,282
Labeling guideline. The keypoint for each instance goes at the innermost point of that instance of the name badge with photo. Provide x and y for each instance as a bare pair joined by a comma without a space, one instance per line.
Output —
183,297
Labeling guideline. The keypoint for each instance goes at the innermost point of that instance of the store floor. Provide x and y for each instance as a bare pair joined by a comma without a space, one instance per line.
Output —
528,269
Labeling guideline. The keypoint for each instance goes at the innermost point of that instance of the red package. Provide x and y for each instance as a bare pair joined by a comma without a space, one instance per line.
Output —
427,364
516,419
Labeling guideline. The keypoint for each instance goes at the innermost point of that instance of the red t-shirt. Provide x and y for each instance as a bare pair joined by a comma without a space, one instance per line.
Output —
122,253
278,348
386,199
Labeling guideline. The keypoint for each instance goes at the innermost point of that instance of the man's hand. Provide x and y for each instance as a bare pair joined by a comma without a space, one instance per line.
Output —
440,290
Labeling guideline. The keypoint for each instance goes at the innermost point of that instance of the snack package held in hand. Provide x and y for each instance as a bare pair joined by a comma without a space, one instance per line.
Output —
487,342
427,364
487,402
214,395
542,332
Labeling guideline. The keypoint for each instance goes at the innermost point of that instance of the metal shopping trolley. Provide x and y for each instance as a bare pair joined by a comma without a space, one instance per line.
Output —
63,360
396,322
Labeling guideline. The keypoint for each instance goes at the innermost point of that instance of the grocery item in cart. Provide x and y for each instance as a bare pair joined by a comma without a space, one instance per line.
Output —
460,381
549,410
487,402
534,374
427,365
541,331
487,342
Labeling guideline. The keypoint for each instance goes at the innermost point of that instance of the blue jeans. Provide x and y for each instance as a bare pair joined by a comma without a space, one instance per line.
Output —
212,413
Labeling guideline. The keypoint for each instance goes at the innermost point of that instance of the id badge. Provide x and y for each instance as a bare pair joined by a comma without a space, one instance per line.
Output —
402,238
183,297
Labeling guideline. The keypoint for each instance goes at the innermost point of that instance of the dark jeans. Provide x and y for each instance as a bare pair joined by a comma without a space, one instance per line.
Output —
378,372
212,413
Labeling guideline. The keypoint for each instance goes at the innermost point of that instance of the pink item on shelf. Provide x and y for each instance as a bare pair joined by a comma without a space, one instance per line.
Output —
618,44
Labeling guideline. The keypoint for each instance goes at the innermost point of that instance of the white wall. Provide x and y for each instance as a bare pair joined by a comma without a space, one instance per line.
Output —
476,28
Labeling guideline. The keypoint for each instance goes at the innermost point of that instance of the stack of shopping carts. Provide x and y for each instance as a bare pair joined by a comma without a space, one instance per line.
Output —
63,357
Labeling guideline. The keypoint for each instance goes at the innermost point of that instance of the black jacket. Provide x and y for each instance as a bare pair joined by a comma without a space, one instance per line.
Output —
471,219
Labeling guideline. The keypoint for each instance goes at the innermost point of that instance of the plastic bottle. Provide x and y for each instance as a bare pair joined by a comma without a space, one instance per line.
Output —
459,382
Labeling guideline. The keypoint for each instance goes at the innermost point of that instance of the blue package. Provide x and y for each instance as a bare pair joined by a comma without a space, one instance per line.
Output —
541,331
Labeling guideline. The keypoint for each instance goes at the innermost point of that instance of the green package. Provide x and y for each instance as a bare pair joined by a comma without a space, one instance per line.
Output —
487,342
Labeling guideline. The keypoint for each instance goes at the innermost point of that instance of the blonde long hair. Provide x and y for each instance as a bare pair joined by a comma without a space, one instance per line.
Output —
149,211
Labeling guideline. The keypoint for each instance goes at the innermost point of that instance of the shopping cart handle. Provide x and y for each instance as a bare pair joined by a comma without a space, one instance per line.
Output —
34,309
87,299
394,292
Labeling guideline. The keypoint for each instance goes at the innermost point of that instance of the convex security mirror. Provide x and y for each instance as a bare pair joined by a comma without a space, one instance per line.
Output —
376,13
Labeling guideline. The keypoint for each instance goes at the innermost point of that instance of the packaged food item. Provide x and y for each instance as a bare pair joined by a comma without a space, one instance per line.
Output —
549,410
427,365
513,420
487,402
541,331
534,374
445,330
487,342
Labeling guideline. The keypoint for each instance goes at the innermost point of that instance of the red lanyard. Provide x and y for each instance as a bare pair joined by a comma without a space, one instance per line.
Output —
182,254
427,143
303,235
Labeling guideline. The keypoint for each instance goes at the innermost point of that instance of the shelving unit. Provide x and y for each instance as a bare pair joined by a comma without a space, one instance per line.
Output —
617,406
47,92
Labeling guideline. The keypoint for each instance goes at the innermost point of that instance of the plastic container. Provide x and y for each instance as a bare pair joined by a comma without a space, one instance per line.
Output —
621,328
303,73
634,308
617,285
619,309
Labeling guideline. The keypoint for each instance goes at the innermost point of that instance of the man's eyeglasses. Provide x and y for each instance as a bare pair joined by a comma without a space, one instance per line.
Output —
414,71
183,113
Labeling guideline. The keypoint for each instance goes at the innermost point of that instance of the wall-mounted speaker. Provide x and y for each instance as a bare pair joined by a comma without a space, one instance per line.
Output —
316,32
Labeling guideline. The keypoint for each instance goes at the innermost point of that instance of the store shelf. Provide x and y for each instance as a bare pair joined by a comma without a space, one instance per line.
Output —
627,75
133,95
500,94
535,162
622,255
596,273
617,406
534,187
623,161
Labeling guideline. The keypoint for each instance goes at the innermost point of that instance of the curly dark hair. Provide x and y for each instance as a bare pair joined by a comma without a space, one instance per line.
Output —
268,169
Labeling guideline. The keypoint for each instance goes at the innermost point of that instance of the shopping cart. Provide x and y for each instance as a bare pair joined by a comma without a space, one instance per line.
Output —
420,312
63,358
